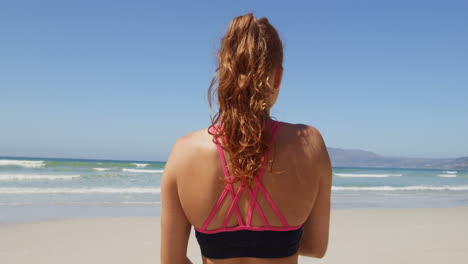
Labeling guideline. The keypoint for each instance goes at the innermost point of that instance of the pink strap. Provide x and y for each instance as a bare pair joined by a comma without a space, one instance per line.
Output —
234,203
233,197
223,159
215,209
254,203
273,205
227,176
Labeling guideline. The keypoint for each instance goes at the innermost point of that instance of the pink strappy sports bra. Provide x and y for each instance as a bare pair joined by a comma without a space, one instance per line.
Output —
246,240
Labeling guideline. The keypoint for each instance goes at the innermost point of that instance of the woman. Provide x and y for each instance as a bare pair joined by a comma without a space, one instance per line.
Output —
255,190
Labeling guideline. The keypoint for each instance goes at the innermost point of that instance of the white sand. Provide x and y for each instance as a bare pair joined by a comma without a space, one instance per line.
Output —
377,236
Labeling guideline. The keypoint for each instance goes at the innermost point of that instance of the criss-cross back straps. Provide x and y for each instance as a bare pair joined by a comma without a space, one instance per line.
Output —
227,188
235,196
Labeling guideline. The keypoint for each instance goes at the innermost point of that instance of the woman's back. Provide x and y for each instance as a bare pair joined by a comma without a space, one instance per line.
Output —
291,179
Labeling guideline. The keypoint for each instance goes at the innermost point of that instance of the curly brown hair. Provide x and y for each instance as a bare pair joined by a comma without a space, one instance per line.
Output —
250,51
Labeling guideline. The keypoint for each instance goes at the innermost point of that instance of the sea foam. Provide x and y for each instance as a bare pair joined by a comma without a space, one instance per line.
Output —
140,165
22,177
101,169
23,163
366,175
447,175
78,190
142,171
402,188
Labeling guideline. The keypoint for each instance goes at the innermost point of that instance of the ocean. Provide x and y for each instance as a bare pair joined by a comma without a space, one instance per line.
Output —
36,189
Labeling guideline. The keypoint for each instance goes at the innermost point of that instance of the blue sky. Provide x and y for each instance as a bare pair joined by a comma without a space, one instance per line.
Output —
124,80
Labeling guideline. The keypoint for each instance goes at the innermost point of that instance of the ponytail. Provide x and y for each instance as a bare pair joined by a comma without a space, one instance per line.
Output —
250,50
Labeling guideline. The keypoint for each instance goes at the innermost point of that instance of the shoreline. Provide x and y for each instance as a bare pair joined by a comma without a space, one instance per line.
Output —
364,235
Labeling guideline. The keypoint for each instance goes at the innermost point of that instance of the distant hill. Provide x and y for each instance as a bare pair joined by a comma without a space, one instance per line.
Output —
361,158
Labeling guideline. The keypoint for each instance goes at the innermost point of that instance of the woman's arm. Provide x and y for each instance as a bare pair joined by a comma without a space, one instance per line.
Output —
175,228
316,228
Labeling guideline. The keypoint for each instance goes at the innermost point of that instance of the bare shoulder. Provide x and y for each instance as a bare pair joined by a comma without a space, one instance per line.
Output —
191,144
187,151
314,150
191,139
309,138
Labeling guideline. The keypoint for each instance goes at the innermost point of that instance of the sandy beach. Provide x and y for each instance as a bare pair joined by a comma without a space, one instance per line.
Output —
424,235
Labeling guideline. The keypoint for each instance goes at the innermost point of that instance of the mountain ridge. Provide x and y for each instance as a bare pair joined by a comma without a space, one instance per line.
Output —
362,158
